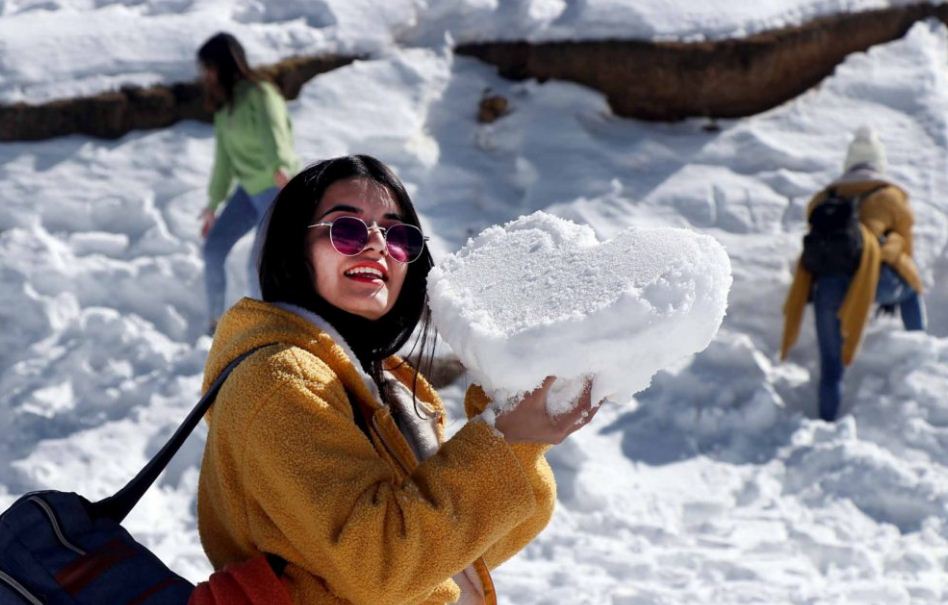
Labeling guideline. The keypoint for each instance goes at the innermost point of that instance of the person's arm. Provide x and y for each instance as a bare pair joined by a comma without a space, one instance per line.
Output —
894,215
893,246
277,134
904,222
318,482
533,462
221,175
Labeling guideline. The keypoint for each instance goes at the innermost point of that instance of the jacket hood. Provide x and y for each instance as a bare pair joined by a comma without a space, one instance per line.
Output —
252,324
862,178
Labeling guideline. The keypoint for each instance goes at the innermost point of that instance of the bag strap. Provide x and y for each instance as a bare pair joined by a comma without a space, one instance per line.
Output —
831,192
117,506
871,192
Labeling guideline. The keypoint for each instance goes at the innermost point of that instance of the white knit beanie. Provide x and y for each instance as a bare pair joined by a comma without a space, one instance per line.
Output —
865,148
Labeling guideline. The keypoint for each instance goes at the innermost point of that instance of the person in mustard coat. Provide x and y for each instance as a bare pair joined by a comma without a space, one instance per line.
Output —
253,158
327,450
886,273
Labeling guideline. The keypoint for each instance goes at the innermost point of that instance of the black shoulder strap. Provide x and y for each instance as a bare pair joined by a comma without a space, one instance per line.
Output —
874,190
117,506
831,193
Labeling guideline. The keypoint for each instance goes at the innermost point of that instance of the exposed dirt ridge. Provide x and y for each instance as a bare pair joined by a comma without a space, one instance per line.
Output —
647,80
112,114
724,78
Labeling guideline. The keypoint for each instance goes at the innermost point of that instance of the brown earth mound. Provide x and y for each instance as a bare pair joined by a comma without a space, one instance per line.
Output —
726,78
648,80
110,115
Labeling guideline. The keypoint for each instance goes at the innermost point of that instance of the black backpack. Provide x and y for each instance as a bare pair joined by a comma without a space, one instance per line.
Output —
57,548
833,245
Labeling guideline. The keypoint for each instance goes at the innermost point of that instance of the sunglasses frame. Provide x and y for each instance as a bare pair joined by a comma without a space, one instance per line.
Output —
368,230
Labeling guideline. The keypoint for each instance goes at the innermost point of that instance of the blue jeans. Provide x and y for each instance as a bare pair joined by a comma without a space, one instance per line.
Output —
241,213
828,294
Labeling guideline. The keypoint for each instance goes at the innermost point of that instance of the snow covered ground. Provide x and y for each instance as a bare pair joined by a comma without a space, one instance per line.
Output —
60,48
719,487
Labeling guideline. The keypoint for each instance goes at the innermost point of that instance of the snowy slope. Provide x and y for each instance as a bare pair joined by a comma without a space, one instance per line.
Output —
718,488
62,48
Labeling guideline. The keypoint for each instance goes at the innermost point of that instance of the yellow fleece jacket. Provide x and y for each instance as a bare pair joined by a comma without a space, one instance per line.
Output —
884,214
286,470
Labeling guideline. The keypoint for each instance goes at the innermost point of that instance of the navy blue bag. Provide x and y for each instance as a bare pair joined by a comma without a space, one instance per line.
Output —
833,246
58,548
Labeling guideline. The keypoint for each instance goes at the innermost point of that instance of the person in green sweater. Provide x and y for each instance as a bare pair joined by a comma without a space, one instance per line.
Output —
253,159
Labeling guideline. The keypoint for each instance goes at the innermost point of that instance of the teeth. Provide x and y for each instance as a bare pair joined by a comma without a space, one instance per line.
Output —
365,271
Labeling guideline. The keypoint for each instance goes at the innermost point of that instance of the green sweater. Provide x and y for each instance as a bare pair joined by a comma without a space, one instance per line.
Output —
254,138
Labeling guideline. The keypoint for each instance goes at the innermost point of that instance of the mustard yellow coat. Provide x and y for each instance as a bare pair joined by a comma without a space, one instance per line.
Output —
884,213
286,470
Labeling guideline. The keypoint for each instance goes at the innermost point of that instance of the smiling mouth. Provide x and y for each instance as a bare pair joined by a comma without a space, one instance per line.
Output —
365,274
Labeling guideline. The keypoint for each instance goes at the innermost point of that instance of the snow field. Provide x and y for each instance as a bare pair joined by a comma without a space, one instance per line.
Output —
716,488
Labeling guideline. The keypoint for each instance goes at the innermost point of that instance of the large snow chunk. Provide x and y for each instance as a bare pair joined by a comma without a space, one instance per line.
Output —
543,296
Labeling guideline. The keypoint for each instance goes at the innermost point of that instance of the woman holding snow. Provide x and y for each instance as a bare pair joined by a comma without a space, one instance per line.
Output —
254,147
327,450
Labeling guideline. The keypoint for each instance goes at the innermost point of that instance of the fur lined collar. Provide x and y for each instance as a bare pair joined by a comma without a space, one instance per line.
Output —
326,327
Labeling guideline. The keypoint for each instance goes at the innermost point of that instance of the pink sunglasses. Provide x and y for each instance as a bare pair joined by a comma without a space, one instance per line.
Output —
349,235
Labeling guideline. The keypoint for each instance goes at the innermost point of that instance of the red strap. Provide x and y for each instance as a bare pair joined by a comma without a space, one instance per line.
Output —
252,582
84,570
166,583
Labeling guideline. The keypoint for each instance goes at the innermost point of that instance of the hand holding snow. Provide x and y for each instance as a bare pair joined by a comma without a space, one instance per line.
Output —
541,296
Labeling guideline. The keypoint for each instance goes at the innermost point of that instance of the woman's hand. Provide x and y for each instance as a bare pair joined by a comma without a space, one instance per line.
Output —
207,221
280,179
529,422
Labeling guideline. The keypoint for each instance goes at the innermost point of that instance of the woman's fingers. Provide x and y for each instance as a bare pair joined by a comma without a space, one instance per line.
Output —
593,410
583,402
578,416
530,421
547,384
537,397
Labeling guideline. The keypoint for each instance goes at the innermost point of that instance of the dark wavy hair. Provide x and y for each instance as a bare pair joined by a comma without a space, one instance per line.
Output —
226,56
286,275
